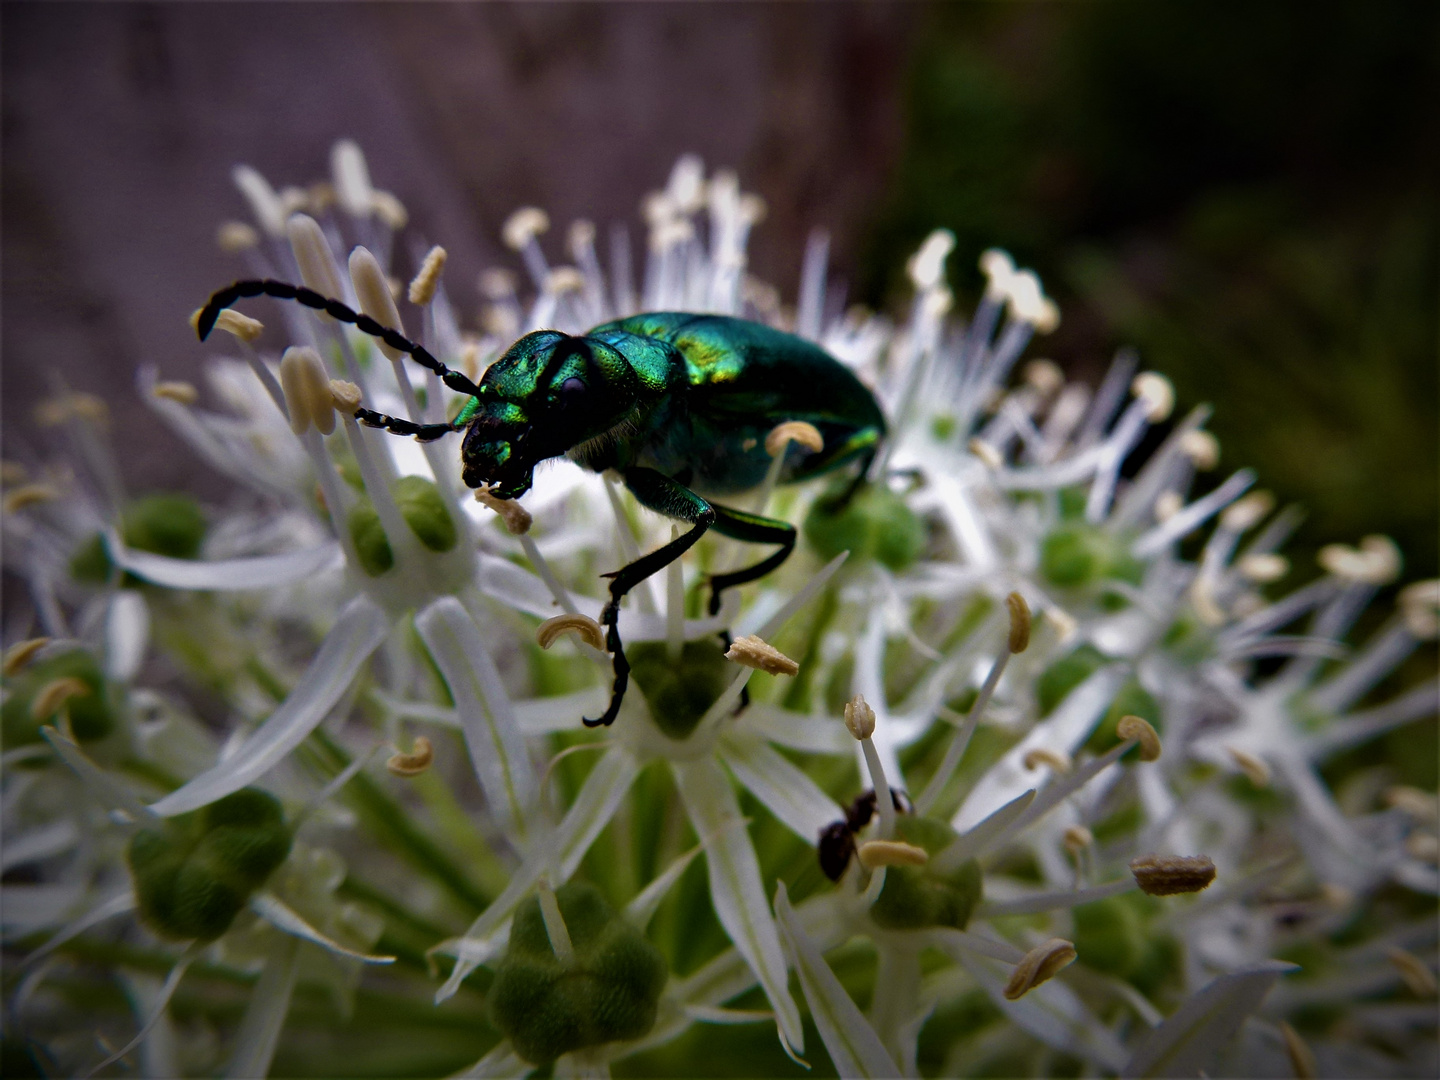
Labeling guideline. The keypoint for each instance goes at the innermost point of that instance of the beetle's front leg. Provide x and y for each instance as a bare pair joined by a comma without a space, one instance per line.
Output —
665,496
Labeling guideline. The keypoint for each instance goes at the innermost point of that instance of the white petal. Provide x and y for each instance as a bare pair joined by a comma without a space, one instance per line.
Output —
786,791
260,572
265,1015
813,734
1204,1023
973,841
116,905
736,889
27,908
1053,901
357,633
284,918
497,749
161,1000
854,1047
107,789
60,835
127,635
640,910
501,1061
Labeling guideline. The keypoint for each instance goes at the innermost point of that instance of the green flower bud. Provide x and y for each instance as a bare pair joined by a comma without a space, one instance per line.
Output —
916,897
608,991
424,511
170,525
679,692
92,715
1057,680
1077,553
1114,936
195,873
874,523
368,536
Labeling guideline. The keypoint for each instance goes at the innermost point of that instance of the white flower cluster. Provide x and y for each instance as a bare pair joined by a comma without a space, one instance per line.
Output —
1018,728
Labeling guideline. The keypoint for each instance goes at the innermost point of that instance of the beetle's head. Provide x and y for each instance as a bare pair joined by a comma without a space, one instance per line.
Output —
548,393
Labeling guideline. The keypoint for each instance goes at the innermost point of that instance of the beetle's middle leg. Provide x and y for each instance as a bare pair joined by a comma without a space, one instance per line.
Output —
665,496
752,529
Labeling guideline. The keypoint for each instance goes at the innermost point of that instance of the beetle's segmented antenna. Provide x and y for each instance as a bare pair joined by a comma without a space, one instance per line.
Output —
282,290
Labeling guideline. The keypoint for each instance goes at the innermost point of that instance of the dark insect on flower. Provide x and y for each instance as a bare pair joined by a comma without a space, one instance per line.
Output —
678,404
837,840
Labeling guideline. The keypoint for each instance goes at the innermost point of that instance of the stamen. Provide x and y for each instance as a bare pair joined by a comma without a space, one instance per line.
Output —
1078,838
1247,512
1167,505
1158,394
986,453
1423,806
352,180
927,266
1019,623
29,495
235,236
1420,607
264,203
1255,769
1423,846
1375,562
998,268
415,762
1416,973
1045,376
874,854
390,210
859,718
346,396
422,288
307,390
517,519
74,405
1063,623
750,651
1135,727
182,392
781,435
1054,760
1302,1059
1263,567
1029,303
1202,448
1039,965
320,196
12,472
523,226
584,627
555,927
238,326
312,255
372,290
20,654
54,694
1170,875
565,279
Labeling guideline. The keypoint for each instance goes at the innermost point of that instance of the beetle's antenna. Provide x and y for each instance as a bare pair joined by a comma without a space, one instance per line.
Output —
281,290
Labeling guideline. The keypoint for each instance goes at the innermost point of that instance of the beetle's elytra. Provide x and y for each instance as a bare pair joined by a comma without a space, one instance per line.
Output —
678,404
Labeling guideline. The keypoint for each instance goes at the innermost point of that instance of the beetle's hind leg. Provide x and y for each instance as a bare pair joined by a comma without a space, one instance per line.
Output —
665,496
752,529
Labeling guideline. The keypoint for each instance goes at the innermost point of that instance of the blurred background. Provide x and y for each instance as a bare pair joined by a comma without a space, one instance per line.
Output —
1245,193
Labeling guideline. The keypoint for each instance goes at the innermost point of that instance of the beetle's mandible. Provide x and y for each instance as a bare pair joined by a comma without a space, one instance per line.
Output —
677,404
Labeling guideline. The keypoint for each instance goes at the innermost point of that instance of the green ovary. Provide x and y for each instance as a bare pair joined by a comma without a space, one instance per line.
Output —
916,897
679,692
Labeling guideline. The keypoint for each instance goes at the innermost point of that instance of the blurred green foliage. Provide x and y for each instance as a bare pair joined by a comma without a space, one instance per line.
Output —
1244,192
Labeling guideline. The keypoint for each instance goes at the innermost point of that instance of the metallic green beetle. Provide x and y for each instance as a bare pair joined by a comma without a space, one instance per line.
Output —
678,404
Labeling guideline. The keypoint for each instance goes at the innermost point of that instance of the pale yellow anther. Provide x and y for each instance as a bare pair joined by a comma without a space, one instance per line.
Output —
294,200
1337,896
1375,562
1414,971
985,452
753,652
1045,376
233,236
372,290
1156,392
312,255
1078,838
517,519
657,208
859,717
752,209
1043,757
1420,607
345,396
1170,875
351,177
1423,806
239,326
1167,505
1202,600
21,653
1248,512
1263,567
306,386
763,296
320,196
1255,770
390,210
523,226
264,203
874,854
1202,448
28,495
582,626
182,392
53,695
581,237
998,268
470,359
1029,303
937,303
1063,623
565,279
1302,1059
427,280
1039,965
75,405
1423,846
12,472
1019,639
671,233
781,435
927,266
415,762
1139,729
496,284
686,186
500,322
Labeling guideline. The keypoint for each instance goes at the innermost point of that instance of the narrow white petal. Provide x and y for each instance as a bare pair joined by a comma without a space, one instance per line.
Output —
736,889
497,749
127,634
259,572
711,1014
108,790
501,1061
1052,901
27,908
853,1045
787,792
162,999
116,905
813,734
957,943
287,920
265,1015
60,835
812,588
1191,516
975,839
1204,1023
640,910
357,633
